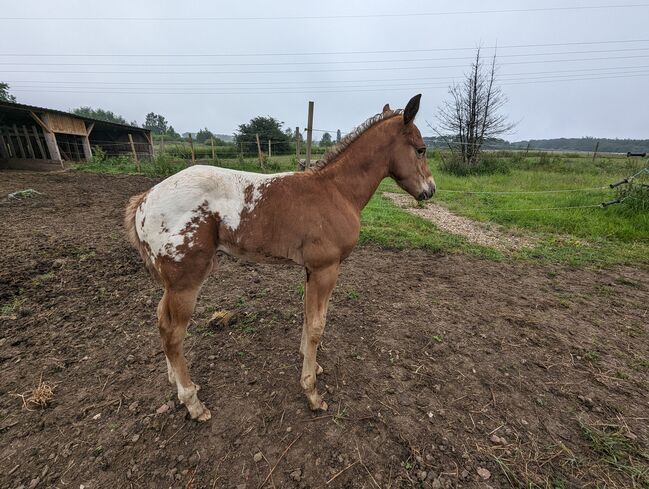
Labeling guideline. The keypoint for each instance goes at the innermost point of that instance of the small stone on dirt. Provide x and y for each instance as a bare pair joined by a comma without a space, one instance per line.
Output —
135,438
258,457
162,409
498,440
483,473
130,358
96,416
133,406
296,475
422,475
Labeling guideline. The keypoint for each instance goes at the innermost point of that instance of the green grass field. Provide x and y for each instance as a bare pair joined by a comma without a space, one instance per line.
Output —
614,235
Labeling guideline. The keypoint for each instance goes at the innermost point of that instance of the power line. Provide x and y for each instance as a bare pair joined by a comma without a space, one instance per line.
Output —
71,85
324,53
289,82
328,62
332,17
313,71
311,91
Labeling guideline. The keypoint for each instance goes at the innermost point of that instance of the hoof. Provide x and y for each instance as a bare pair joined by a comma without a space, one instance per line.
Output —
205,415
318,369
201,413
319,406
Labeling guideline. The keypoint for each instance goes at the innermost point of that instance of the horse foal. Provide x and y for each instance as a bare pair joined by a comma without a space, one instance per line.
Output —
309,218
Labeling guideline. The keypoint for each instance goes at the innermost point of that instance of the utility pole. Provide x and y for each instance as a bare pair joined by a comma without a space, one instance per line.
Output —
309,136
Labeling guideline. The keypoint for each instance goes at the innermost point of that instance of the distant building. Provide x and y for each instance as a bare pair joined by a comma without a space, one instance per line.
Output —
37,138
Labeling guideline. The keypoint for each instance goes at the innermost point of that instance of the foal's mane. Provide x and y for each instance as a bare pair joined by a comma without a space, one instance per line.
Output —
344,143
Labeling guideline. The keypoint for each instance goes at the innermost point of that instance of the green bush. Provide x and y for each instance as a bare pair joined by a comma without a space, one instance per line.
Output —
488,164
636,198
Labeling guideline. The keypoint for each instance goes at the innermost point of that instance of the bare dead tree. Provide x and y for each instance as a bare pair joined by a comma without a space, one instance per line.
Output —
472,115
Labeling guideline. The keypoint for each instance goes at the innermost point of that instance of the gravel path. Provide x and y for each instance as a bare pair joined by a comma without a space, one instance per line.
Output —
490,235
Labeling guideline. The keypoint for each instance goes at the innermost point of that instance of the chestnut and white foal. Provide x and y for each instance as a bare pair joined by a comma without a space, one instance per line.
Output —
309,218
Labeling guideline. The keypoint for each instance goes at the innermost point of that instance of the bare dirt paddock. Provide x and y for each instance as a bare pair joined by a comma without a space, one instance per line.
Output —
440,370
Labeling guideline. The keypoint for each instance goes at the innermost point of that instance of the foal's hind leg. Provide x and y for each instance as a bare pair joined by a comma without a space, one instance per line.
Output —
176,309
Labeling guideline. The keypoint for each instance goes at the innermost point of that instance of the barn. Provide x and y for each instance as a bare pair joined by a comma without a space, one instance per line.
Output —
37,138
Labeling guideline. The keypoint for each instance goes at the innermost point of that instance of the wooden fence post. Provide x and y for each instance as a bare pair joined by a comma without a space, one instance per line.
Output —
213,153
297,145
162,144
309,136
191,146
527,150
259,153
595,152
270,151
137,161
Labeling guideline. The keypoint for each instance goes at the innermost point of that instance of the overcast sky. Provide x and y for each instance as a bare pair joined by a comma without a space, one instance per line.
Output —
584,85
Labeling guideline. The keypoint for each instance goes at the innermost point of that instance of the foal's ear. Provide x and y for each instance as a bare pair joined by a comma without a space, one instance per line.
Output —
411,109
386,108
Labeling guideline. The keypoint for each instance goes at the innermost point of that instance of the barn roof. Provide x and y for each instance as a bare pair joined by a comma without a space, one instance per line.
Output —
34,108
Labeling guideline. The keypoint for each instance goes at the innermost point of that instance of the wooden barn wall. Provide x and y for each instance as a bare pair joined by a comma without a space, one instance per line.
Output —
22,142
65,124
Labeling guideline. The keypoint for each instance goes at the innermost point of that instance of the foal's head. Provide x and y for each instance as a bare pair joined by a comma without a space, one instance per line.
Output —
408,164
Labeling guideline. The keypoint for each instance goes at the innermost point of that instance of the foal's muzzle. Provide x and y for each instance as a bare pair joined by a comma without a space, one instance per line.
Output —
428,193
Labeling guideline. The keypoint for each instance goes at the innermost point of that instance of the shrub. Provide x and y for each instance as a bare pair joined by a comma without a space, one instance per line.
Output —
636,197
488,163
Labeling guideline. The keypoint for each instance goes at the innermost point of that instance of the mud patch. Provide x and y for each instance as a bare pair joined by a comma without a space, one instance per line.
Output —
426,357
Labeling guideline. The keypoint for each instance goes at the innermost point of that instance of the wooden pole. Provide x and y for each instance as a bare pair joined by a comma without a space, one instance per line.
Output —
50,138
309,136
30,148
149,138
87,150
270,152
37,137
19,142
137,161
162,144
527,150
595,152
213,153
4,152
191,145
297,145
259,153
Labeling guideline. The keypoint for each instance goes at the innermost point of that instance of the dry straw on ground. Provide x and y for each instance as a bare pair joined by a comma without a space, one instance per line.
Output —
39,396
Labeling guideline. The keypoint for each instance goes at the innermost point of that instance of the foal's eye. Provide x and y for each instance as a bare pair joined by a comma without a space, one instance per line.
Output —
421,151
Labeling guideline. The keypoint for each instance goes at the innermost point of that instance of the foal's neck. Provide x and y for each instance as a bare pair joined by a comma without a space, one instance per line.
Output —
358,170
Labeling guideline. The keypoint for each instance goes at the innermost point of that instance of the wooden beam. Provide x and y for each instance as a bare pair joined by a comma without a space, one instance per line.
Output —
30,148
87,150
19,142
45,127
37,136
89,128
149,138
4,152
50,139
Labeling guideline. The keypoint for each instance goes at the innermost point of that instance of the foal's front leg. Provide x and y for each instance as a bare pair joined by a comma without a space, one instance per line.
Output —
319,285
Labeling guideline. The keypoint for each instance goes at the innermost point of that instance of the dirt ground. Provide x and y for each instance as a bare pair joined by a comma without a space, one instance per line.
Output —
440,370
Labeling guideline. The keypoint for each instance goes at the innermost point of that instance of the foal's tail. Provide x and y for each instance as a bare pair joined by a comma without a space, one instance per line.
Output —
131,232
